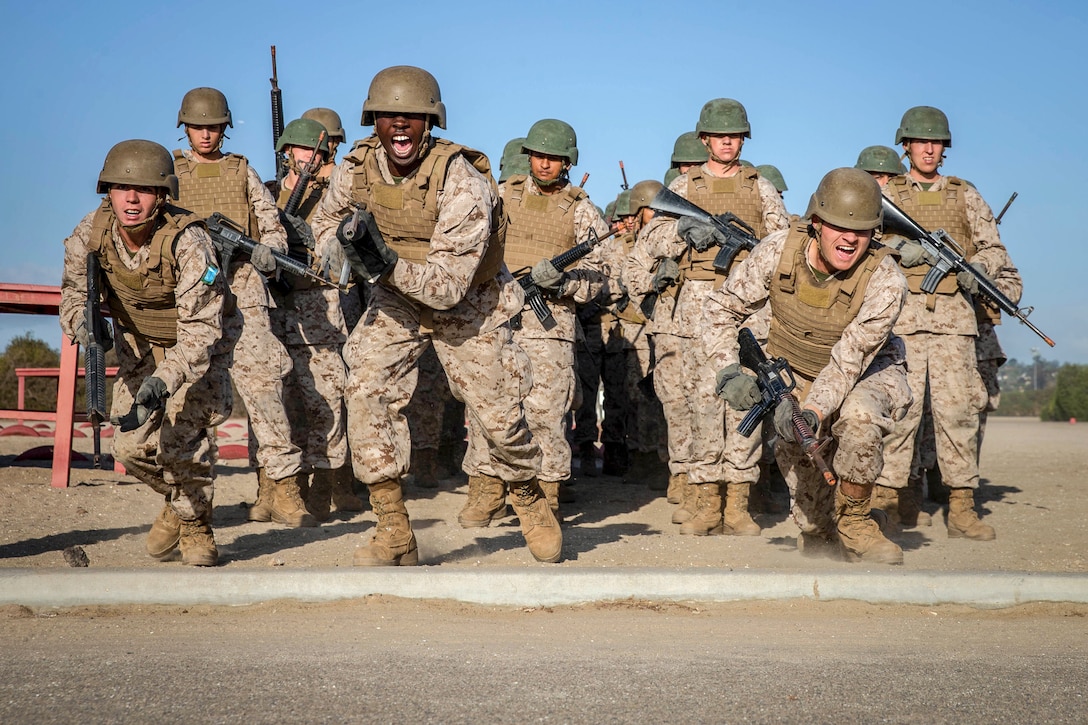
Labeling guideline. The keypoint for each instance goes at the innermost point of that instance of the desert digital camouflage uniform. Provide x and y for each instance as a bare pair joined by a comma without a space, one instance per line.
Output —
718,457
859,394
435,302
551,352
174,452
432,419
670,341
940,332
990,357
261,361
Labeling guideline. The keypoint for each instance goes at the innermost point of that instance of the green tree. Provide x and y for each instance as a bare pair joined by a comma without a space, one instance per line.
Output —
1070,394
27,351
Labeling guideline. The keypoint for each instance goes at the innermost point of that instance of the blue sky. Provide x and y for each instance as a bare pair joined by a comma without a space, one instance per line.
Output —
820,82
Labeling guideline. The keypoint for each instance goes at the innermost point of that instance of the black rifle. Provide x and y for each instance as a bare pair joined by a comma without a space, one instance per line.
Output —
623,172
738,235
94,357
277,118
228,239
948,257
295,200
533,294
1005,208
776,383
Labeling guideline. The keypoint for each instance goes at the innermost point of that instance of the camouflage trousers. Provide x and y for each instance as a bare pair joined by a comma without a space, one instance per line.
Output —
856,453
589,357
315,405
718,452
948,365
675,391
990,358
261,363
645,427
549,398
488,371
175,451
426,412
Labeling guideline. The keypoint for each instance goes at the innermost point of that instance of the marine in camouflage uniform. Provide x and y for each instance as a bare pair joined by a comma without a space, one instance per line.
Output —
312,326
420,217
940,329
161,281
210,180
548,216
721,462
835,296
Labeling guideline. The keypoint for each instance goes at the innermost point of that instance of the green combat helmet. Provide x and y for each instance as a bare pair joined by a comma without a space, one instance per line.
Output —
643,193
623,204
848,198
773,175
330,119
924,123
513,161
880,160
404,89
553,137
204,107
670,176
723,115
688,149
610,212
303,132
138,163
746,162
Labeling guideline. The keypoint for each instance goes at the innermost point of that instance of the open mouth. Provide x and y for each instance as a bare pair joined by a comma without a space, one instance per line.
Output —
402,146
845,252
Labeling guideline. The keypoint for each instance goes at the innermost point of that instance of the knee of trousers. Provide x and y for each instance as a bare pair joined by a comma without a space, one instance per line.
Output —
860,455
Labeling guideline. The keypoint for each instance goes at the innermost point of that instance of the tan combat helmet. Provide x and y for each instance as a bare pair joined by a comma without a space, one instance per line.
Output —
643,193
404,89
138,163
204,107
848,198
330,119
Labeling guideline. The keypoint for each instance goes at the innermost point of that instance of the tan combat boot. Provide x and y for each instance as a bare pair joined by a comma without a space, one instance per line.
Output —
538,523
287,505
689,497
486,502
261,510
962,520
859,534
707,517
318,500
423,468
675,491
198,543
393,543
736,521
343,495
886,499
911,514
551,493
165,533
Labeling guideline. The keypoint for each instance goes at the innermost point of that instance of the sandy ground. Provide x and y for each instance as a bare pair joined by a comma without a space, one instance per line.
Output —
1033,473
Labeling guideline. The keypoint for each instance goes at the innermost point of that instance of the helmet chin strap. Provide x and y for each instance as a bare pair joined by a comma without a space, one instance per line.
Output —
141,228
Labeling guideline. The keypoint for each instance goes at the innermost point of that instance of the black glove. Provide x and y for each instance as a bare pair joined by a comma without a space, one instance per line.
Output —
261,258
300,237
546,276
783,420
737,388
364,247
700,235
149,398
967,281
668,271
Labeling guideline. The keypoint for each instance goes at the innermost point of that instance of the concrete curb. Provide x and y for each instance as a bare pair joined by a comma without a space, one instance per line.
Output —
532,587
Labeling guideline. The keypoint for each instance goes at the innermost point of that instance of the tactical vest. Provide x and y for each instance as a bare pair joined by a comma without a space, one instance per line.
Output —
738,194
631,312
808,316
407,213
541,226
945,209
221,186
142,300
